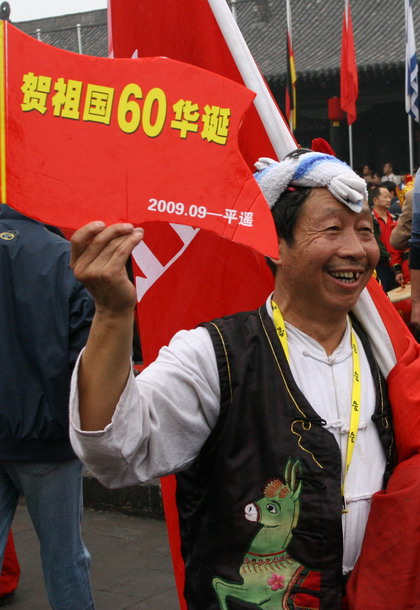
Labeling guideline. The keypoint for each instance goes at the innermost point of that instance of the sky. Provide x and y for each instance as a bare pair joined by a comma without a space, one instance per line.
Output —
25,10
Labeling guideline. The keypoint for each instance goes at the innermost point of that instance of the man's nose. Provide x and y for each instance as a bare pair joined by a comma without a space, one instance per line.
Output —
351,245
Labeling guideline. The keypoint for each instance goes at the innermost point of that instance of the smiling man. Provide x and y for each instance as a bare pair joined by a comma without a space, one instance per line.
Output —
280,413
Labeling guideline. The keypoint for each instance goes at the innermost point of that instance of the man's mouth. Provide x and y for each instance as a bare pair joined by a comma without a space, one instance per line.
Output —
348,277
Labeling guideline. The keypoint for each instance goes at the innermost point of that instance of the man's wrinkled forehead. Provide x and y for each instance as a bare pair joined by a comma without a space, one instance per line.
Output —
320,206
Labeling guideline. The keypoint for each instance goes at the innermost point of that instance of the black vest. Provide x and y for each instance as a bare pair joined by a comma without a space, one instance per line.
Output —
265,427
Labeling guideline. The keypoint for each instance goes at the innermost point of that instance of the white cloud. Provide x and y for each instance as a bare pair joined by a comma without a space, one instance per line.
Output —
26,10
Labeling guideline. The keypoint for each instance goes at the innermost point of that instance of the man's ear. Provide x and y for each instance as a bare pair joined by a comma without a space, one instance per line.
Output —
277,261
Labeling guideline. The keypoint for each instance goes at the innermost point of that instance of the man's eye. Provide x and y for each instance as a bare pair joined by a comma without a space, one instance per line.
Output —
333,228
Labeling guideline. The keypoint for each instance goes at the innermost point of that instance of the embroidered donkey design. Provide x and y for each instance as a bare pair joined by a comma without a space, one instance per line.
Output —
268,571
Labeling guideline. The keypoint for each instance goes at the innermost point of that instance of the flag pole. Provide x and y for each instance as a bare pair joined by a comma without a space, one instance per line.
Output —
411,79
289,33
277,130
410,143
351,146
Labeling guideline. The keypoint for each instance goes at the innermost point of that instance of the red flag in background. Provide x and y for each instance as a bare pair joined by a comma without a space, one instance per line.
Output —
183,275
349,83
203,33
290,98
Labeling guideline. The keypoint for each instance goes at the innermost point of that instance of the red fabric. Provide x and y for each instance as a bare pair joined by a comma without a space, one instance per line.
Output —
304,600
10,572
186,31
387,574
349,83
321,145
207,280
401,338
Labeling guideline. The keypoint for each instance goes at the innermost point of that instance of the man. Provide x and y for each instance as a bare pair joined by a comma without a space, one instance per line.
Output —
389,272
260,421
395,207
388,173
414,244
400,234
45,320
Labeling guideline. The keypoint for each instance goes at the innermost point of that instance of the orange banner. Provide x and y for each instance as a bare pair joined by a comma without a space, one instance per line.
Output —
85,138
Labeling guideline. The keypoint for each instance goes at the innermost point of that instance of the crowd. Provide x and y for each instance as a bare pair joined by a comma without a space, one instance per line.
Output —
391,203
293,430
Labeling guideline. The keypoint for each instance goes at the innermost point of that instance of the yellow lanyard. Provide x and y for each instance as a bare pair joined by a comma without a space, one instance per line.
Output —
355,392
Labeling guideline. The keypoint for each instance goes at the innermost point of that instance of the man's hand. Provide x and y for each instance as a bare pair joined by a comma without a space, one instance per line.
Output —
399,278
98,258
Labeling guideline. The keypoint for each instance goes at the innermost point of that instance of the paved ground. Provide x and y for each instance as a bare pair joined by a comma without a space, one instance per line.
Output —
131,567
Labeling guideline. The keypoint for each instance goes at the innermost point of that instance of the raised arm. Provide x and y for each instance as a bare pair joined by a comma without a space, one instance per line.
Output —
401,233
98,259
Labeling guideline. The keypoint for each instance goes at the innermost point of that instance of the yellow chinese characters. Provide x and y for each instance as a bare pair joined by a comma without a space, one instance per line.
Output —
98,104
135,109
35,91
216,124
66,101
215,121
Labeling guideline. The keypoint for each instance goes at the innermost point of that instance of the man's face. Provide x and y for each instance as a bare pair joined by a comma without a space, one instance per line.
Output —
332,257
387,168
383,201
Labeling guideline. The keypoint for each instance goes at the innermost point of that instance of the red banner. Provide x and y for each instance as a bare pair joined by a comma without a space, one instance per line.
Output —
184,276
88,138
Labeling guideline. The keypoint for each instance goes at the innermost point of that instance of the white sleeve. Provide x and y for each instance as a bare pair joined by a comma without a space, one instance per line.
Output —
162,419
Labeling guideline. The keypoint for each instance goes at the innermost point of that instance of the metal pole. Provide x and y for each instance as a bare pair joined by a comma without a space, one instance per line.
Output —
289,30
79,37
38,34
275,126
410,143
351,145
233,9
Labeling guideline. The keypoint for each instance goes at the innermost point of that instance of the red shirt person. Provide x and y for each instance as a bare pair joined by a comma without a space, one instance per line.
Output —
398,268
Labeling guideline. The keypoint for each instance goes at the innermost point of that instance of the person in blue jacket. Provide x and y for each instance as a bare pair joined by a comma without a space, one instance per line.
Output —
45,315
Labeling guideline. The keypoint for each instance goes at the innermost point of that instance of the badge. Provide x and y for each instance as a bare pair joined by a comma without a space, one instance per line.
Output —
8,235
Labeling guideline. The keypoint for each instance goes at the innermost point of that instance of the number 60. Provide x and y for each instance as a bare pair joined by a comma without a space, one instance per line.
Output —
129,113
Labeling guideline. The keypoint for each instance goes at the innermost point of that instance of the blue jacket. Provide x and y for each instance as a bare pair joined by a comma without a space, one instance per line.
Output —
45,315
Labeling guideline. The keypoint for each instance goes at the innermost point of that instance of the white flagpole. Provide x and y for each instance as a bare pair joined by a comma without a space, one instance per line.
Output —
289,30
410,143
275,126
351,146
411,82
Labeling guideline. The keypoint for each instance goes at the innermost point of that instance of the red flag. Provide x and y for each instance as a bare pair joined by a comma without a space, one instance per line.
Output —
152,113
184,276
349,83
204,33
10,572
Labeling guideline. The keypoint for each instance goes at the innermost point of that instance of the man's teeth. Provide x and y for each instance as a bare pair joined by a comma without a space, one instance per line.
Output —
346,276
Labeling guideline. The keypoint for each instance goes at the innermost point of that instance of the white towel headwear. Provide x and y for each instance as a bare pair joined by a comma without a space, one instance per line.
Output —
311,169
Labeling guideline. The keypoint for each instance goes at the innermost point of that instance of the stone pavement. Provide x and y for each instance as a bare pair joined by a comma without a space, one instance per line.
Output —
131,567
